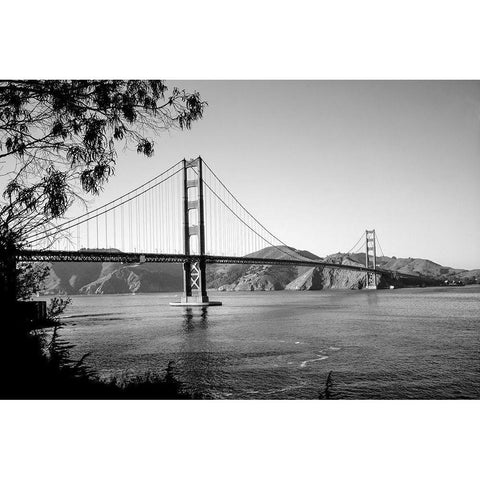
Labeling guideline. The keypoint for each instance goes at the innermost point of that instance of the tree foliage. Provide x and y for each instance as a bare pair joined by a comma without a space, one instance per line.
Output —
30,278
64,136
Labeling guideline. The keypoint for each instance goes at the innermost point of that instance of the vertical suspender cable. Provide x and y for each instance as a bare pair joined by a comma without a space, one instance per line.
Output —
130,228
122,228
88,233
106,230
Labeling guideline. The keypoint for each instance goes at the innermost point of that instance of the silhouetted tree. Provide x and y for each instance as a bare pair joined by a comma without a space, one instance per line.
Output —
63,137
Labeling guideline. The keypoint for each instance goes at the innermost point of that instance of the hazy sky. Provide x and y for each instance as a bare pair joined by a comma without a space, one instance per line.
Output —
318,162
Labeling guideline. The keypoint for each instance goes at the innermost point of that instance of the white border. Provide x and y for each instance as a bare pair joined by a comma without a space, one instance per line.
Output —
239,440
260,39
217,40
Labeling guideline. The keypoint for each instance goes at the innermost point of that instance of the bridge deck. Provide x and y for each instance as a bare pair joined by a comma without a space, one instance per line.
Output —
121,257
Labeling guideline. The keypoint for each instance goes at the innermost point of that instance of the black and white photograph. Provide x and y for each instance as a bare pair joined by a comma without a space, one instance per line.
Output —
154,249
211,255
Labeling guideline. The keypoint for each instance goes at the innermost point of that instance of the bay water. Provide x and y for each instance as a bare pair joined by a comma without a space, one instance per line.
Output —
387,344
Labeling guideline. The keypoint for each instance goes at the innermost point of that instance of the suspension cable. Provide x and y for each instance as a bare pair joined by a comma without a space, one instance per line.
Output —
248,226
359,240
107,204
361,248
233,196
378,241
111,208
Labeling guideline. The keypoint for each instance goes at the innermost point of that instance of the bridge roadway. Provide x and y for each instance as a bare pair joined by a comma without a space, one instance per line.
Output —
121,257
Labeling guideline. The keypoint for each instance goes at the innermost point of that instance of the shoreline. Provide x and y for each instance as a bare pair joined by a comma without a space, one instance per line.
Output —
254,292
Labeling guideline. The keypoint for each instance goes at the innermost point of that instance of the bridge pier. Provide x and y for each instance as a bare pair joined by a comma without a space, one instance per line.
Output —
194,270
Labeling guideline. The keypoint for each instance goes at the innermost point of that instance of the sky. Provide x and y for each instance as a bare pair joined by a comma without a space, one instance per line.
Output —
318,162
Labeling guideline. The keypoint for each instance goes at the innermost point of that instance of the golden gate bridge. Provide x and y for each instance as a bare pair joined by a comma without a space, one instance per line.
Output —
184,215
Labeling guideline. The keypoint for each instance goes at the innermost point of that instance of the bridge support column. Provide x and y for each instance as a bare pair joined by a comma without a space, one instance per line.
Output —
194,270
370,259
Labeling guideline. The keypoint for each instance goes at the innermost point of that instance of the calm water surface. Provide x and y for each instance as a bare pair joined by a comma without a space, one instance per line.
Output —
409,343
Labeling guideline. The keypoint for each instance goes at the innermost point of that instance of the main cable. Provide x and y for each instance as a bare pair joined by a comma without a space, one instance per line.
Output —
236,200
248,226
107,204
106,211
359,240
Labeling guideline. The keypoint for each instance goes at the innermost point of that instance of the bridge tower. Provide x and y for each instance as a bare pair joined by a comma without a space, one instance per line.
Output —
370,259
194,269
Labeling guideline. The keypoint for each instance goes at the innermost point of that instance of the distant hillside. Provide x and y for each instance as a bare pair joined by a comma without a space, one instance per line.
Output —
109,277
419,266
275,277
413,266
279,252
96,278
144,278
470,276
260,277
